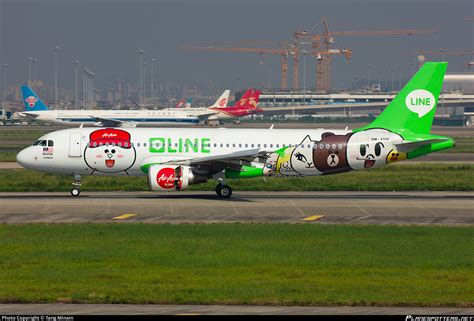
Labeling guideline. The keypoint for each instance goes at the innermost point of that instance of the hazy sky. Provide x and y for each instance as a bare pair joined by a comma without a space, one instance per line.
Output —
105,36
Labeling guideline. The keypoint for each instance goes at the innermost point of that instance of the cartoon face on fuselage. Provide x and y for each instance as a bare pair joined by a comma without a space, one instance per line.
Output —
284,163
302,157
329,153
370,148
110,151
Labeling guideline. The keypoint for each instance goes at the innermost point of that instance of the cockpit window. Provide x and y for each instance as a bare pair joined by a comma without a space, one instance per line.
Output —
42,143
36,143
50,143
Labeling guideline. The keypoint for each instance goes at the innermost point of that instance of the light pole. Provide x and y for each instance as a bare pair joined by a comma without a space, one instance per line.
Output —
141,52
354,78
91,88
393,79
55,51
4,98
368,77
35,69
30,69
75,63
145,65
399,79
304,77
84,87
152,80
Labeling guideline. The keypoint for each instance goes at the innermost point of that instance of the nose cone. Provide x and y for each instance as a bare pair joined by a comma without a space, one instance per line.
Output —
25,157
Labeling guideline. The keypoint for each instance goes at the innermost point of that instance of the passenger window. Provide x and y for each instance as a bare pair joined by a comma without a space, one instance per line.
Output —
253,145
227,145
240,145
265,145
138,144
144,144
50,143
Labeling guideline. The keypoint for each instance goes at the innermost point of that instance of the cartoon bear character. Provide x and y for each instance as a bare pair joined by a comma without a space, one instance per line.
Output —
371,148
329,154
110,151
302,157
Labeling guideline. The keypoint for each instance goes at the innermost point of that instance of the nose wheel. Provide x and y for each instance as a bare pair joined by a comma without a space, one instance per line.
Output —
223,191
76,186
75,191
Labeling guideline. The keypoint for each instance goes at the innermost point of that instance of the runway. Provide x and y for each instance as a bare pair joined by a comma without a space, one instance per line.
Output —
425,208
151,309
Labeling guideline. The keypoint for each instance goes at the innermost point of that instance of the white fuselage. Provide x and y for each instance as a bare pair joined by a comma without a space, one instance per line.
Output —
107,151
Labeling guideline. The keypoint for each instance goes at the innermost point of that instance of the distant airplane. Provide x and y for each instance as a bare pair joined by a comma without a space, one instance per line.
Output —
37,110
174,158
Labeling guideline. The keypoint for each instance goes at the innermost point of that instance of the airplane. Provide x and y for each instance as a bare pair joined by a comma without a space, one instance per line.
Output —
174,158
37,110
245,106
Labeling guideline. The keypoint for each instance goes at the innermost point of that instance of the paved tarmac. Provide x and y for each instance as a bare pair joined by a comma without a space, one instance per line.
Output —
151,309
425,208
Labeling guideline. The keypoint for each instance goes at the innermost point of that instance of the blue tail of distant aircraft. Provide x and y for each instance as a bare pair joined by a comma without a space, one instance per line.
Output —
31,100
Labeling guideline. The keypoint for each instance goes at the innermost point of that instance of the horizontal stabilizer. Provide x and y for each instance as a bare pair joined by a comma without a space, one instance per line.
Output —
409,146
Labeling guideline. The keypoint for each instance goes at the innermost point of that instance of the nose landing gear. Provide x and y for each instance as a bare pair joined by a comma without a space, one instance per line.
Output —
76,186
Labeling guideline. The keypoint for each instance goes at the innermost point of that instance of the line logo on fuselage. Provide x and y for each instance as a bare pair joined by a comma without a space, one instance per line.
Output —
179,145
420,102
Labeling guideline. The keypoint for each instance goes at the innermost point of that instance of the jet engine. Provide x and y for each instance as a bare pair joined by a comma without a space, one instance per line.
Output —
172,177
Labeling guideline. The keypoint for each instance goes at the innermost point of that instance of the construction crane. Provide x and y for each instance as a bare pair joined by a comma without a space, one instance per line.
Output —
325,40
285,53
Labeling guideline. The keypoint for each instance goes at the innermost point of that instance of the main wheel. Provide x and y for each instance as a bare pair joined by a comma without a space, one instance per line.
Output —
75,191
223,191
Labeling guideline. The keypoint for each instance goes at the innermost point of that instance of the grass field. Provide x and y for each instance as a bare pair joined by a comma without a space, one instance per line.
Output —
417,177
279,264
15,134
8,156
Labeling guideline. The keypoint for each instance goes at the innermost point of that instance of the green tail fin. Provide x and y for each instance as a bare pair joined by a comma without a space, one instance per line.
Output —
414,107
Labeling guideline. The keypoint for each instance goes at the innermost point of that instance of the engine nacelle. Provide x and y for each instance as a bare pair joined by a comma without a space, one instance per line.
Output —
172,177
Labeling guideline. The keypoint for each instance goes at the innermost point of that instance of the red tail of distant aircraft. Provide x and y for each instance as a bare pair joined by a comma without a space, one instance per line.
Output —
246,105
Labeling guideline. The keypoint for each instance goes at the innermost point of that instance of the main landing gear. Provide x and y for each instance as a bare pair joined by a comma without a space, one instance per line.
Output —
222,189
76,186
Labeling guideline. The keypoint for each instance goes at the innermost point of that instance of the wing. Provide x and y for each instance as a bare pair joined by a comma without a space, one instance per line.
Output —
215,163
108,122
